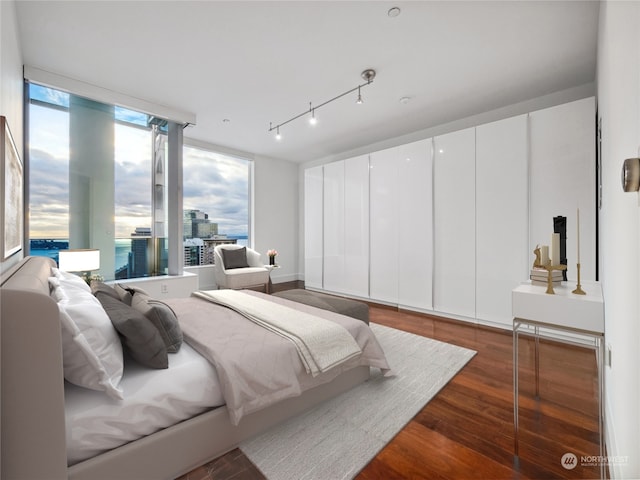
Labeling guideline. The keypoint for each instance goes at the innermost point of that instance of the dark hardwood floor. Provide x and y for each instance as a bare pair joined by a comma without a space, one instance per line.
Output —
466,431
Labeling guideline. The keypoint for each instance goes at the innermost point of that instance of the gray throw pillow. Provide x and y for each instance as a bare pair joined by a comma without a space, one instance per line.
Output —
125,295
139,336
162,317
117,291
234,258
98,286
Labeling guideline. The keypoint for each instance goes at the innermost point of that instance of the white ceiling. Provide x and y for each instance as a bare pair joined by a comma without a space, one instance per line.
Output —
260,62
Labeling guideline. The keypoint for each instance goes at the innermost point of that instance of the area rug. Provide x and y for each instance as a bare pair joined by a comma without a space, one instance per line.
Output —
336,439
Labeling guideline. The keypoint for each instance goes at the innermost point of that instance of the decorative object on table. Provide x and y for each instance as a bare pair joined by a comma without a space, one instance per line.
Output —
83,260
578,290
554,250
560,227
539,276
272,256
537,263
12,181
631,175
550,269
542,256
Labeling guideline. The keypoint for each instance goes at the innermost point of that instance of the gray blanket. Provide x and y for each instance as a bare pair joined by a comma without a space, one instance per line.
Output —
256,367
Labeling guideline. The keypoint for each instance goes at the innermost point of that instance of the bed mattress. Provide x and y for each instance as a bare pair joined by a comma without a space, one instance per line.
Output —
153,400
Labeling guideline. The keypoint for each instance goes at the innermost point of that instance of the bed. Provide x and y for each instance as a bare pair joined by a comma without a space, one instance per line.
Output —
36,402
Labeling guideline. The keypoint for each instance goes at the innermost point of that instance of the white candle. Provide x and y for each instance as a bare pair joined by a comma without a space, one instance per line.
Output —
578,233
544,254
555,249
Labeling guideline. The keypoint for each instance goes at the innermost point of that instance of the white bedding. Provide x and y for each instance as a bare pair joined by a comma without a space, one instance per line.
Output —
95,423
321,344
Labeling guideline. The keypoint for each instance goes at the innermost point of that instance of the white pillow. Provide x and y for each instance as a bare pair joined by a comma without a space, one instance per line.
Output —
70,279
91,348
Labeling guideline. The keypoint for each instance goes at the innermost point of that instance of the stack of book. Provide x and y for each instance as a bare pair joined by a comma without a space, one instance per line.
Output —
539,276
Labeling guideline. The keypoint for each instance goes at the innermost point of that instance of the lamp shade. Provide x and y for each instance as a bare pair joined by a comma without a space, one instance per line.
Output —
79,260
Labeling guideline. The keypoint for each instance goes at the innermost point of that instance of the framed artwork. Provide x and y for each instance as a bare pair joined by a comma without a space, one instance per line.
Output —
12,179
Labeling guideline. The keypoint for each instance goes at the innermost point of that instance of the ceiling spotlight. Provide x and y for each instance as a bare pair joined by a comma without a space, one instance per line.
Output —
312,120
359,100
393,12
404,100
278,136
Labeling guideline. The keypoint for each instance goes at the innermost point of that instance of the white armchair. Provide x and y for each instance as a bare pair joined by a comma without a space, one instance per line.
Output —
239,267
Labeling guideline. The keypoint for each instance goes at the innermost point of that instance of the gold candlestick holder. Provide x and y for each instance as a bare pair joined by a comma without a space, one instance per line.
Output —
549,269
578,290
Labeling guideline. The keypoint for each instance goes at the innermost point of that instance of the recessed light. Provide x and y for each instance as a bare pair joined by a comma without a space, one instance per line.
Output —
404,100
393,12
226,121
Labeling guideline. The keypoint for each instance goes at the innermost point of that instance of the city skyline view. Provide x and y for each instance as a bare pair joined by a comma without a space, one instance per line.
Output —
212,182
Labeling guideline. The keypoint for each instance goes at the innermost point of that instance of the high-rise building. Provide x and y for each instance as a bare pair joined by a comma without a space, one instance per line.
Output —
193,252
139,256
199,251
197,225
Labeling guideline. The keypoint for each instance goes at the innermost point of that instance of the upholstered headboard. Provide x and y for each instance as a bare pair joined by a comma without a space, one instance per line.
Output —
31,375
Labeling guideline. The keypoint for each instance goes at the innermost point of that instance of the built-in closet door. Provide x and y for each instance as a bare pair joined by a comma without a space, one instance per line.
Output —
313,188
334,226
415,225
384,189
563,169
501,216
454,224
356,226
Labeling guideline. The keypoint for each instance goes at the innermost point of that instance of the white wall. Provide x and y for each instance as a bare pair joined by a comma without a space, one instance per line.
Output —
275,219
11,103
619,108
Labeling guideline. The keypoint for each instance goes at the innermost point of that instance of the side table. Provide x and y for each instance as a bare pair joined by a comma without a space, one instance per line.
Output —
270,284
538,314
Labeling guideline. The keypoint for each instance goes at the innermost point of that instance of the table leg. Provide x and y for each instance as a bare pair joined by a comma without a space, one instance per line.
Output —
515,388
537,361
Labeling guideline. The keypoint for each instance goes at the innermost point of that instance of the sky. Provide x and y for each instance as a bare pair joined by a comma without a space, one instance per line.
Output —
213,183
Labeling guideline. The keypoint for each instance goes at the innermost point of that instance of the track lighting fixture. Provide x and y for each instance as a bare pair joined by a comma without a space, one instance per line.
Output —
369,74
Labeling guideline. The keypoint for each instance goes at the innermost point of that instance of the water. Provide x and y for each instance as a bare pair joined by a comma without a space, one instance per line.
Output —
122,245
123,248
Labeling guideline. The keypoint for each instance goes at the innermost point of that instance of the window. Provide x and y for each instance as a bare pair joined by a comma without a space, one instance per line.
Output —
216,202
97,180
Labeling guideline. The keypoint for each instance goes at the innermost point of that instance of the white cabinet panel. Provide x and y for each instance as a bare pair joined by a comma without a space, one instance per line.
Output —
334,226
356,226
383,178
501,216
313,186
454,223
415,227
563,178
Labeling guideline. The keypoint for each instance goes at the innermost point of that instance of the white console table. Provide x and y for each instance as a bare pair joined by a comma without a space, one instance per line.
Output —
536,313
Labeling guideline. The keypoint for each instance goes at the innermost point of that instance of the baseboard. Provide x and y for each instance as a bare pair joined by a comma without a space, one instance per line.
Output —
615,469
293,277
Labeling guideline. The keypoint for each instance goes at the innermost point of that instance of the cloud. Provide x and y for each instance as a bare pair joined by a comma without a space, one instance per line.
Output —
217,185
48,196
213,183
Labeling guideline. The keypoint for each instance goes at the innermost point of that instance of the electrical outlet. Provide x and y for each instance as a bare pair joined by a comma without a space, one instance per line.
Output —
607,355
164,288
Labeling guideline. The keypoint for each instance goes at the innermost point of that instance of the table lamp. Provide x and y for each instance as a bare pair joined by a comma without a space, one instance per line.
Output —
83,260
